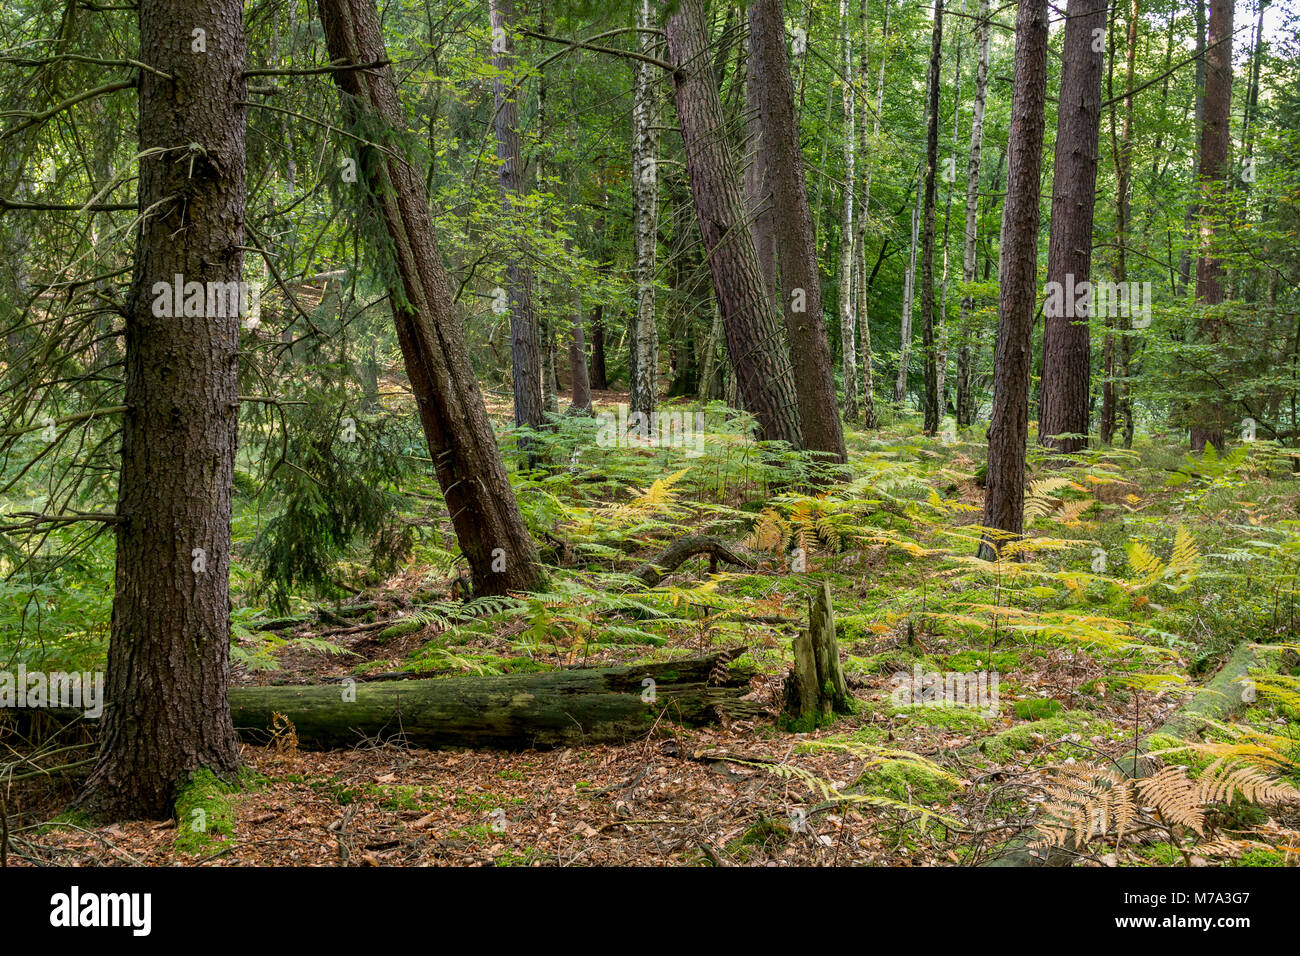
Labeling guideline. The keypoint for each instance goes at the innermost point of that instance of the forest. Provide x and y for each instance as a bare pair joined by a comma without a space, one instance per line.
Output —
643,433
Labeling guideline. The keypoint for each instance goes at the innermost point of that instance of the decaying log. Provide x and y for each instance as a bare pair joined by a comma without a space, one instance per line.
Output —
654,571
815,688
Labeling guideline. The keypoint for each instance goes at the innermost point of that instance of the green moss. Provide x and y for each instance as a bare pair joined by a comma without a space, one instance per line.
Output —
1262,858
400,629
1004,744
949,718
401,797
1036,708
205,814
908,781
766,833
970,661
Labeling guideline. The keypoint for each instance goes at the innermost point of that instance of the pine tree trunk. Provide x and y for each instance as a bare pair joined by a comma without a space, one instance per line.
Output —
1004,499
965,386
168,711
1210,415
758,355
489,527
801,299
1067,355
644,341
525,344
929,343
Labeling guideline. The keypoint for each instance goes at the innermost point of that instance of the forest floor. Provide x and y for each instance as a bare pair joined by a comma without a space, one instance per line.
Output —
1143,571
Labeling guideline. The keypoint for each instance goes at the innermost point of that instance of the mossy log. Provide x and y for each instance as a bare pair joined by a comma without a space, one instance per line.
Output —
815,688
513,711
672,557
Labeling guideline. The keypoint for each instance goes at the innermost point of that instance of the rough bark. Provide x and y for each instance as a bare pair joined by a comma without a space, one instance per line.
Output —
565,708
929,341
1067,355
525,345
489,527
167,711
757,349
800,280
1004,499
1209,417
965,387
815,689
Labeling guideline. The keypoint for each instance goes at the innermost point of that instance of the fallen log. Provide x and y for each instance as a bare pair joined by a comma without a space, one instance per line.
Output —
672,557
512,711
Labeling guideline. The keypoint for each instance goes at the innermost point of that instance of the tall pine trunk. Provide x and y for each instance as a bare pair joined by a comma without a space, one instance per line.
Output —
801,299
525,346
1004,497
484,513
758,355
1067,355
168,712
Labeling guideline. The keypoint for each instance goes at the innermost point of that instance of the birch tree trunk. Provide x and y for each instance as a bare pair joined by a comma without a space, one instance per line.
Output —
848,346
865,361
644,341
909,285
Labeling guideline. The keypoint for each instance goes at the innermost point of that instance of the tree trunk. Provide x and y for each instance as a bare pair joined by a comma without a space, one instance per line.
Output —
1210,416
965,387
758,355
168,713
863,323
1067,355
800,280
564,708
501,555
929,343
525,346
644,341
1004,499
815,689
846,311
909,288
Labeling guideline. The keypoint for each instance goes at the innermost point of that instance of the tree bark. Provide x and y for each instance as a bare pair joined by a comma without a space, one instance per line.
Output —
758,354
644,341
800,280
1210,416
564,708
865,362
909,288
1004,499
525,345
929,342
848,319
1067,355
168,712
965,387
489,527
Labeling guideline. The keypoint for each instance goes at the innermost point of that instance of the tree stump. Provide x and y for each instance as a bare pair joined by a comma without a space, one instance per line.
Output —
815,689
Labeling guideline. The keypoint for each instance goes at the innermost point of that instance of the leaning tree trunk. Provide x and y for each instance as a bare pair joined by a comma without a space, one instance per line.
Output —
801,283
1067,355
965,386
168,713
929,342
1210,415
489,527
758,355
525,346
1004,499
644,340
